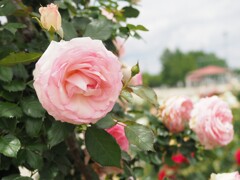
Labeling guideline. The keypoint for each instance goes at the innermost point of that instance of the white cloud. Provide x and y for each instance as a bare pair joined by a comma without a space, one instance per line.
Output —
212,26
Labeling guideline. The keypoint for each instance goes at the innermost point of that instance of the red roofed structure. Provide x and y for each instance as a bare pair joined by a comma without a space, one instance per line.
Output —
208,75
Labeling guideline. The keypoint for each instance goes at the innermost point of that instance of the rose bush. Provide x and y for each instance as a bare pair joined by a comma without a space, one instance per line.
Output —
78,81
175,113
212,122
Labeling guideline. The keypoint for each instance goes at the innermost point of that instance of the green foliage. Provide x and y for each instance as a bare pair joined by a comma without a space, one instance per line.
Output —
99,29
58,132
9,145
146,93
140,136
102,147
152,80
105,122
21,57
10,110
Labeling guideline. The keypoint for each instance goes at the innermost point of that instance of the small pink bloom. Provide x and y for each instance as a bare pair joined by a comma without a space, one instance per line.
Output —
237,157
225,176
175,113
212,122
179,158
78,81
50,17
118,133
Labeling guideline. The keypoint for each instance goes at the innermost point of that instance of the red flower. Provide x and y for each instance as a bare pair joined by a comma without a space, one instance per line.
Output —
161,174
237,156
179,158
167,172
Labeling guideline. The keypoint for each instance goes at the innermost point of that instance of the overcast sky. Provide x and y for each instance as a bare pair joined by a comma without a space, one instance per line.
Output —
209,25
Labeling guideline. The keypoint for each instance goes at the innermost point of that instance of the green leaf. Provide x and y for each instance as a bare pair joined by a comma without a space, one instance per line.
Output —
141,28
130,12
8,124
58,132
9,96
20,57
33,126
140,136
127,95
9,145
20,71
80,23
13,27
7,8
99,29
10,110
69,30
105,122
6,74
34,160
15,86
102,147
146,93
32,107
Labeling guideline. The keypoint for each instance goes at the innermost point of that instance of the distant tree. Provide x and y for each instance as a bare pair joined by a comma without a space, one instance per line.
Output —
152,80
176,64
205,59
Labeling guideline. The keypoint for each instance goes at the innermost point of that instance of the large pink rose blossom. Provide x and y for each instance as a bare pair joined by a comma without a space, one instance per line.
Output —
175,113
118,133
225,176
212,122
78,81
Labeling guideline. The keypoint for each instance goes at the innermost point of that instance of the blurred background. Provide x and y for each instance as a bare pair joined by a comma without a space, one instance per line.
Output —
189,44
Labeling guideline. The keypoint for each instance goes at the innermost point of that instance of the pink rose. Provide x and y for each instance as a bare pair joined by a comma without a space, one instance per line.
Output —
175,113
225,176
118,133
78,81
212,122
50,17
135,81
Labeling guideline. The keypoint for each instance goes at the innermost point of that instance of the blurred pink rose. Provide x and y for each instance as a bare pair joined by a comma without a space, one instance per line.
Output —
135,81
78,81
51,17
118,133
175,113
225,176
212,122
